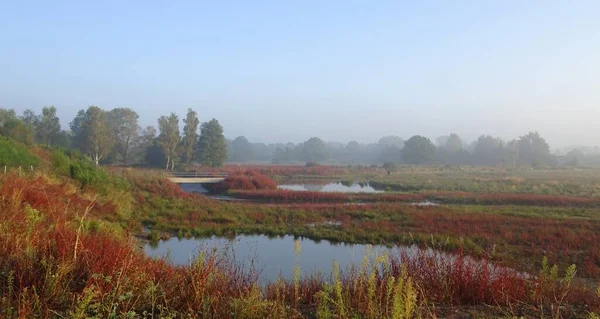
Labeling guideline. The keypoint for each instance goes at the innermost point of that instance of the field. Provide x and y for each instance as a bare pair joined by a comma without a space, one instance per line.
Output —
524,241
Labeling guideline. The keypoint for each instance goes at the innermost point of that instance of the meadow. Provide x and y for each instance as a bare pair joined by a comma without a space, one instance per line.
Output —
524,243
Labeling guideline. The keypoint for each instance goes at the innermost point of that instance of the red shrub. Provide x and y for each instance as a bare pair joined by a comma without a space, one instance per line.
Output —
245,180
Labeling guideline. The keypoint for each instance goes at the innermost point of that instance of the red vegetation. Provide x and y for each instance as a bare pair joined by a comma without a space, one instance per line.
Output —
50,265
288,196
290,170
155,186
56,199
562,241
245,180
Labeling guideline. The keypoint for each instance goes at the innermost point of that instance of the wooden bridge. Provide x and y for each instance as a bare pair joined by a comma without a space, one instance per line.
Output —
196,177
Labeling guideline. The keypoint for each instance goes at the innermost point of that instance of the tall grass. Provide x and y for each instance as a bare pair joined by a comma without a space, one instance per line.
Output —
56,260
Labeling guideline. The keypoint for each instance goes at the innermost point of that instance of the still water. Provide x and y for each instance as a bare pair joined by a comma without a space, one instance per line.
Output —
332,187
272,256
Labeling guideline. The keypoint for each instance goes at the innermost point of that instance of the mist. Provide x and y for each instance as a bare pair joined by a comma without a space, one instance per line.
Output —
341,72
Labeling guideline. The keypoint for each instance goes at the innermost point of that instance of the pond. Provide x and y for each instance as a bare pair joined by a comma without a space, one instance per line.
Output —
332,187
273,256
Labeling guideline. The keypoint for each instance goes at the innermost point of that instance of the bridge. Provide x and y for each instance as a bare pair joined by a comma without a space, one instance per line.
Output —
196,177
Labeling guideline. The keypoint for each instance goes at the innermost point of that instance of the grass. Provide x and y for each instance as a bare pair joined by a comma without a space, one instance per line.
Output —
513,235
66,249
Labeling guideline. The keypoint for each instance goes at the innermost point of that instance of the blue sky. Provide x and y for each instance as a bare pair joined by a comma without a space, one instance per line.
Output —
278,71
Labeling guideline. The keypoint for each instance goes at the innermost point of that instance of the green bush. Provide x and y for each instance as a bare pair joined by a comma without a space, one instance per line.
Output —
73,164
87,173
15,155
60,162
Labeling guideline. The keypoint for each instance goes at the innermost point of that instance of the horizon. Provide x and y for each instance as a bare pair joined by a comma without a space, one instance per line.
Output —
340,71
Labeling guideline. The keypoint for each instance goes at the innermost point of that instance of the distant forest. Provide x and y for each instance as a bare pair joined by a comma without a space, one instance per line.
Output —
114,137
529,149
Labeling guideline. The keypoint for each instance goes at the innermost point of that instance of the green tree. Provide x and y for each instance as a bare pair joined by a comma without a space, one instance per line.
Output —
211,145
30,118
454,143
48,128
313,150
418,150
489,150
241,150
93,134
11,126
77,139
145,141
149,150
533,149
169,137
125,128
189,136
283,155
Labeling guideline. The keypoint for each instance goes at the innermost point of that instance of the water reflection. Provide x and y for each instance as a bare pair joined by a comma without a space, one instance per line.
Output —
271,255
339,187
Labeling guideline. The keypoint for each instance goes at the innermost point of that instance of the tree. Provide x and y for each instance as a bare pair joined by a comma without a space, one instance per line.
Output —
75,126
11,126
391,154
352,152
125,128
92,133
533,149
169,137
313,150
511,153
453,143
418,150
48,127
63,140
441,141
30,118
211,145
574,157
392,141
489,150
189,136
147,149
261,151
283,155
241,150
145,140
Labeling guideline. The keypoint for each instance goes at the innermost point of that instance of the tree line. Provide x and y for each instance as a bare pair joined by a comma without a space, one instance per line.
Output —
114,136
528,149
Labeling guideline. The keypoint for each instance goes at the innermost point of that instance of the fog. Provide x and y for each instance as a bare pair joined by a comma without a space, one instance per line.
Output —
340,71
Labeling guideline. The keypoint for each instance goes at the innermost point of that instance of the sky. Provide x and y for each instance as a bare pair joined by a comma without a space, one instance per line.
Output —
278,71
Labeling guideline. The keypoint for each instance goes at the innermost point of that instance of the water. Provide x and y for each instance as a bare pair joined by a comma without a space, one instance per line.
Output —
271,255
425,203
332,187
193,188
200,189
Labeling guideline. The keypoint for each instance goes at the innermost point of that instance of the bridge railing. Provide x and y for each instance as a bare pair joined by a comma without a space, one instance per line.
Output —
197,175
